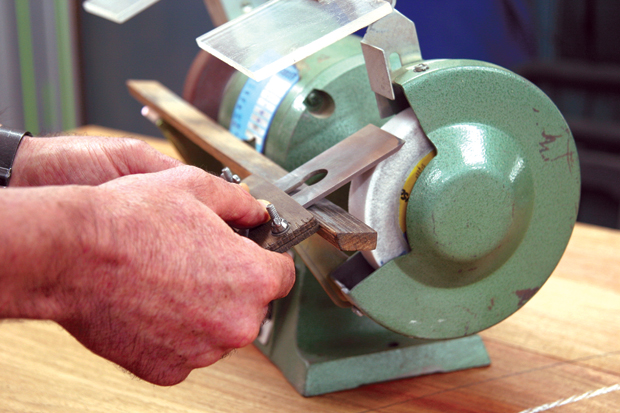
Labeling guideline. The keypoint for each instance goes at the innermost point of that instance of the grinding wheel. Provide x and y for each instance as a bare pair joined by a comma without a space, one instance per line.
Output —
205,83
379,196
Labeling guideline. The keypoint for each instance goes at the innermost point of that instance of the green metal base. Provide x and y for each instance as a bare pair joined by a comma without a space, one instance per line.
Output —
321,348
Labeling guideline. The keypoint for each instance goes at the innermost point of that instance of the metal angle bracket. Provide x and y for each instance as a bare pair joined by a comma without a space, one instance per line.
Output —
341,163
389,46
118,11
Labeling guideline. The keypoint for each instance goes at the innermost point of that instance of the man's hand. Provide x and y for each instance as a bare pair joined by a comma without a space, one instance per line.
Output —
83,160
144,269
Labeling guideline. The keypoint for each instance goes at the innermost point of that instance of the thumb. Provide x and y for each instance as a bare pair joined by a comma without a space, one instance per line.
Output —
229,201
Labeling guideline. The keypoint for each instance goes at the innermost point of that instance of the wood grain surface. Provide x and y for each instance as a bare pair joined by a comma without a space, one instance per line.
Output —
563,344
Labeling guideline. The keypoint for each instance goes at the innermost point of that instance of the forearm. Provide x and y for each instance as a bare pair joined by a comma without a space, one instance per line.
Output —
44,231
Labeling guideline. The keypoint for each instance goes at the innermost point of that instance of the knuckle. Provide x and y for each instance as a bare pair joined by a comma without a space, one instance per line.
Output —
244,335
270,282
195,174
287,271
137,144
275,277
169,377
189,170
136,148
267,283
132,146
184,173
289,282
270,286
158,370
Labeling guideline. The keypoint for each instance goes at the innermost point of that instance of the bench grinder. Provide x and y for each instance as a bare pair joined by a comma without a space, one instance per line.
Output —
473,213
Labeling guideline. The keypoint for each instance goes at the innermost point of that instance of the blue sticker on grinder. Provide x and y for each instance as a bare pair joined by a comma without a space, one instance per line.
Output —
257,104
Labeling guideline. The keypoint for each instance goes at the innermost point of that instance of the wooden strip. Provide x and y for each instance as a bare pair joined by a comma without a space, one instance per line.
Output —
210,136
302,223
333,220
336,225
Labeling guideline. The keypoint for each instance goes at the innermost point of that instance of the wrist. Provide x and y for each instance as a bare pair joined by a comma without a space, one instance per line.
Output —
22,159
10,141
49,230
30,165
101,259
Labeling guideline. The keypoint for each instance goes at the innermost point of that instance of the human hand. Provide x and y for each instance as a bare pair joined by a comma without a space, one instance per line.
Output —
167,286
83,160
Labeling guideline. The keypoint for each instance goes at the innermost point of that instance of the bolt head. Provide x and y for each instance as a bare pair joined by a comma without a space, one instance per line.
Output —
357,312
420,68
313,101
279,226
246,7
229,176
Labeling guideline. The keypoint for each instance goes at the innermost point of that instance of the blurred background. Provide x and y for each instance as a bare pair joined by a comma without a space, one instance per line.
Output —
61,67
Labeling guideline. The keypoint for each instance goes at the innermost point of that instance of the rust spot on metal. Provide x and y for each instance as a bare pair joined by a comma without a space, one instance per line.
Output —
549,140
492,304
322,58
535,110
469,311
525,295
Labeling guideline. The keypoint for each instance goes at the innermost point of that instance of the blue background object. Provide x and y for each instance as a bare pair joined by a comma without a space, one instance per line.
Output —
496,31
257,105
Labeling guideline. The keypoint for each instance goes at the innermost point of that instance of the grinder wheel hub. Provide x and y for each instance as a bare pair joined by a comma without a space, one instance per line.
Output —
473,205
471,216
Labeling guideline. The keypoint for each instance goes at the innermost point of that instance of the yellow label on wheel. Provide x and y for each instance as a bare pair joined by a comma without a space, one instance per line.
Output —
406,192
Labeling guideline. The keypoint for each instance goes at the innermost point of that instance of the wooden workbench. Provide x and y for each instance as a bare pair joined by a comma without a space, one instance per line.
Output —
565,342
